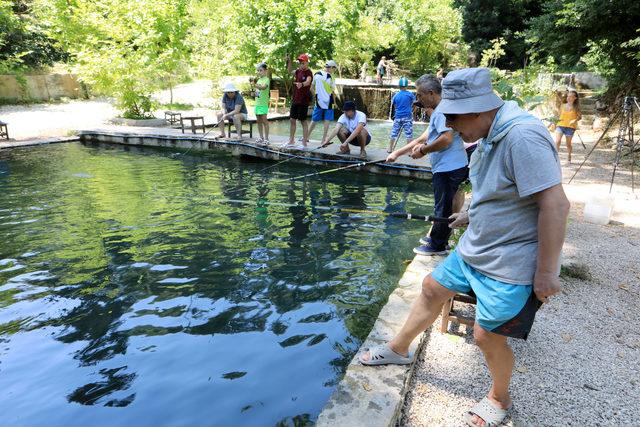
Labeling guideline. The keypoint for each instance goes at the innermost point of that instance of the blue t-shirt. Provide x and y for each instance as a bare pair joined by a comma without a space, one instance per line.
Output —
403,101
451,158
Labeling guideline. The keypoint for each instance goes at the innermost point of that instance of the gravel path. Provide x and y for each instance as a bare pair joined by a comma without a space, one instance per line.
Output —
581,363
59,119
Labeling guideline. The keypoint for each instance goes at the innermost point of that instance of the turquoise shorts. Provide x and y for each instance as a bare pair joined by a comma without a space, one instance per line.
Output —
502,308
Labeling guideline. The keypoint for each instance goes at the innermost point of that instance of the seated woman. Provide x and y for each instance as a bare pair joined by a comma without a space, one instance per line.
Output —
233,108
350,129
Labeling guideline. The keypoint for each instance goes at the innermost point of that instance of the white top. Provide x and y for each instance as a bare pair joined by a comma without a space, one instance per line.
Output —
351,124
324,86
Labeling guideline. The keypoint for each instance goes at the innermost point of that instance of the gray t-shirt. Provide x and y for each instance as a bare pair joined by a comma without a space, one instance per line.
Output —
230,104
502,238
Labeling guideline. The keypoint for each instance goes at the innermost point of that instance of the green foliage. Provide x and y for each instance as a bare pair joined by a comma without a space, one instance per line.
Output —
23,43
487,20
122,48
427,32
523,86
600,35
491,55
419,34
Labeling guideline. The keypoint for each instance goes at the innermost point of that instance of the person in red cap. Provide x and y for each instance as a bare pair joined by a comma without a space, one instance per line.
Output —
302,79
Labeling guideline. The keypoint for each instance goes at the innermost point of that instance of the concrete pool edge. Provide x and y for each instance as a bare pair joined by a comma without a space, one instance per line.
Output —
169,138
37,141
375,395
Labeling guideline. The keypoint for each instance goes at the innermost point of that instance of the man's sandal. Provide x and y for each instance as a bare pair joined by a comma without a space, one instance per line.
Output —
492,415
383,355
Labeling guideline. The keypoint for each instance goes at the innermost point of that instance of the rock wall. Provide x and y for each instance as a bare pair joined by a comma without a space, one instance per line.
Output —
40,87
375,102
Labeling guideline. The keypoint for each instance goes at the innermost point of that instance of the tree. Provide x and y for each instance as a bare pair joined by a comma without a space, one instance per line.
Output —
274,30
23,43
122,48
487,20
600,35
427,29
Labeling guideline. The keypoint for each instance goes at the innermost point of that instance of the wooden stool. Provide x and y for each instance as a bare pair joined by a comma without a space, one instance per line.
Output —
193,126
242,129
449,314
172,117
3,130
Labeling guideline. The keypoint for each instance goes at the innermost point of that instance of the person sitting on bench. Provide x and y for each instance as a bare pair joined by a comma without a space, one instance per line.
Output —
233,107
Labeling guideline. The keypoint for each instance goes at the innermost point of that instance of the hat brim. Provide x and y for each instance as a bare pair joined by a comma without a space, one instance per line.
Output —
476,104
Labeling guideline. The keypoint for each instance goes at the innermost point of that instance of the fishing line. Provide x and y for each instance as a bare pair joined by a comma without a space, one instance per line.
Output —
354,165
293,156
340,209
193,144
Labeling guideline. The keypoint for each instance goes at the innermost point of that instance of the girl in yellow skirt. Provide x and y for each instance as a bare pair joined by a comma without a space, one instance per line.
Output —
569,117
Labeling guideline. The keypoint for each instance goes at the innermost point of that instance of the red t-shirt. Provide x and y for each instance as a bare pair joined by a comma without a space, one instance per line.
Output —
302,96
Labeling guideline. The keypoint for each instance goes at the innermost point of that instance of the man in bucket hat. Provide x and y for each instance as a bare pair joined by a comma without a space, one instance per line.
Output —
233,108
509,254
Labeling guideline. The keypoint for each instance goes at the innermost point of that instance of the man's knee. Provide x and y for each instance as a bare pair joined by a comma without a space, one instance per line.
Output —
434,291
487,340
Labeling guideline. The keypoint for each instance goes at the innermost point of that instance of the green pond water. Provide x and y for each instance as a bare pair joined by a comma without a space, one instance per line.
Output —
380,131
132,292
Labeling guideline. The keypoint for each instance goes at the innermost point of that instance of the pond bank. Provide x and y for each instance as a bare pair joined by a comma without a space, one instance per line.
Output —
174,139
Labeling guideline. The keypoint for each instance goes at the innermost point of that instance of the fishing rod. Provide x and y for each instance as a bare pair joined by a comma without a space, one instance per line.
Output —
393,147
354,165
340,209
201,138
293,156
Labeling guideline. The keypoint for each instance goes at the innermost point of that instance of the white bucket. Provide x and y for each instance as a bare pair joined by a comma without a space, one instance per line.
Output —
598,209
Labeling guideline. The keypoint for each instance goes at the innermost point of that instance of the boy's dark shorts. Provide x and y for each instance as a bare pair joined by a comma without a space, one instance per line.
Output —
299,112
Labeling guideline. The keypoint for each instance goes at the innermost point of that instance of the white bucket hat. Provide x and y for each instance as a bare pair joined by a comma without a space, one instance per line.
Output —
229,87
331,63
467,91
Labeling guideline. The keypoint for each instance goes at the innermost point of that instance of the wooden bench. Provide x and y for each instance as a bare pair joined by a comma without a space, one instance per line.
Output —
172,117
4,132
193,126
449,313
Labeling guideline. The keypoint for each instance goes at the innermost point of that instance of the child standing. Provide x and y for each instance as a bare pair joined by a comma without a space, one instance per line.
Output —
403,104
569,117
262,103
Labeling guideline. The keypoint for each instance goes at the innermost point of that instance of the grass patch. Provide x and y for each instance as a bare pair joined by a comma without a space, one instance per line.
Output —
575,271
178,106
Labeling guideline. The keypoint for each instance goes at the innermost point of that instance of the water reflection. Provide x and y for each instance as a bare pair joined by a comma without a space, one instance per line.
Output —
126,281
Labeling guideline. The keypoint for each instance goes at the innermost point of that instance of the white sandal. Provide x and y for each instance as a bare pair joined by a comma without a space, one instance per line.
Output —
492,415
383,355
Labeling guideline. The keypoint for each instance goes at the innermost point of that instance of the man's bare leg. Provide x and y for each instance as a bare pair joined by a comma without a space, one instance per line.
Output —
326,129
305,132
312,127
292,131
237,120
424,311
500,361
362,139
342,136
221,124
